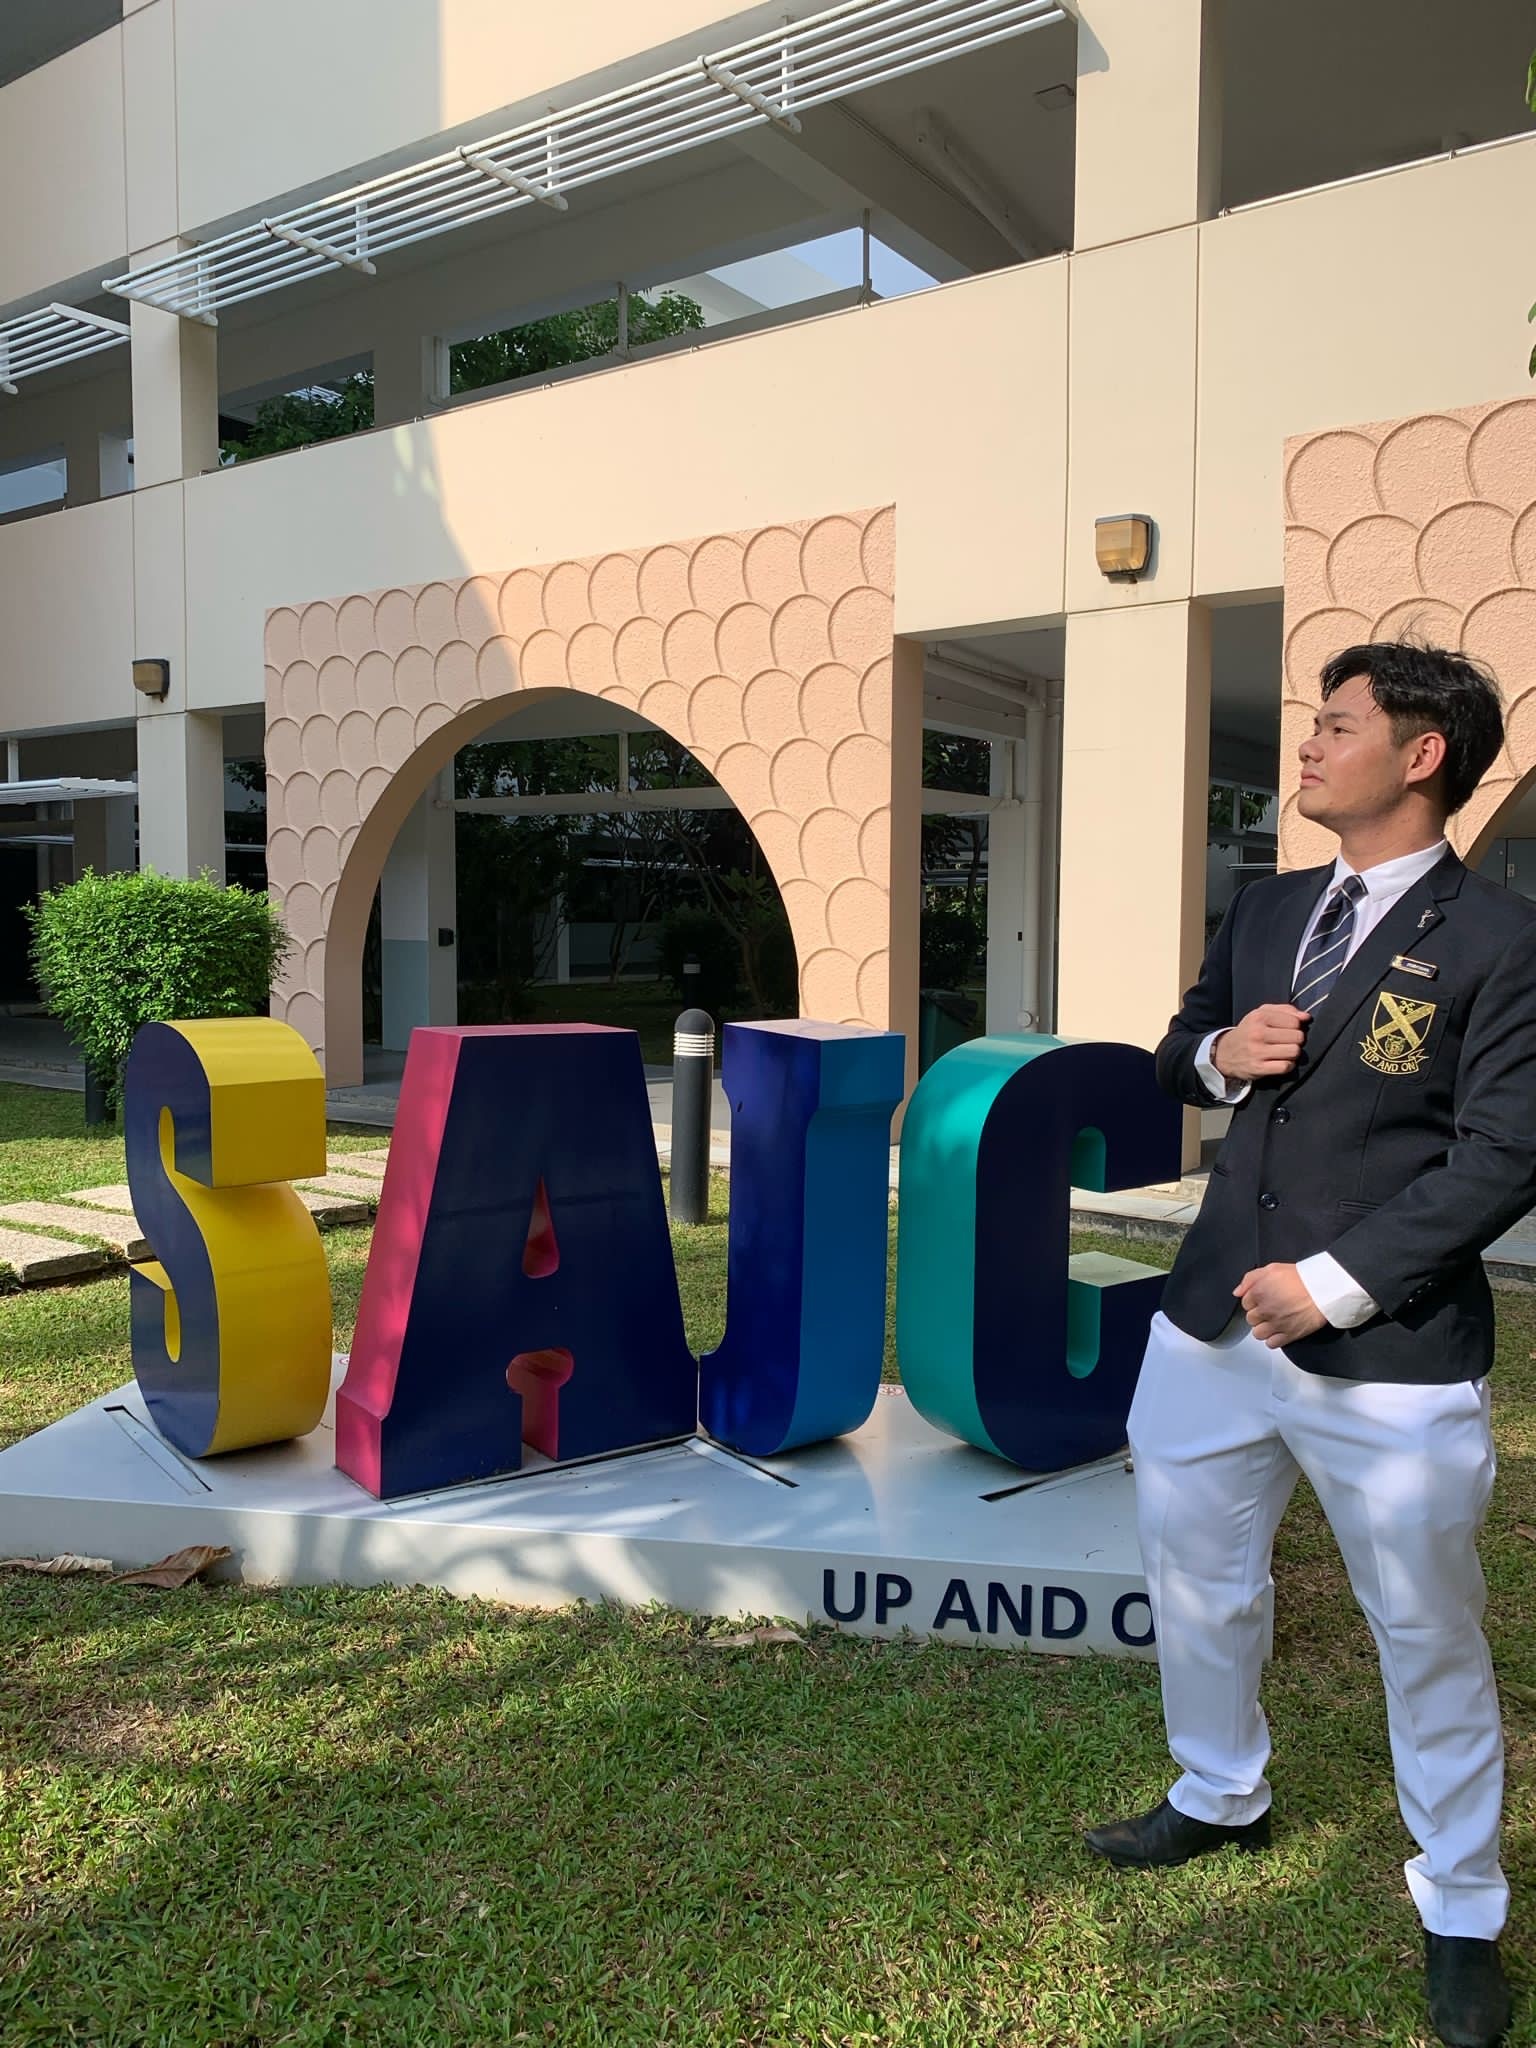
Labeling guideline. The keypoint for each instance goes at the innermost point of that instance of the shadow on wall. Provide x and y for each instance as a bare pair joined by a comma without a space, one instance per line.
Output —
323,755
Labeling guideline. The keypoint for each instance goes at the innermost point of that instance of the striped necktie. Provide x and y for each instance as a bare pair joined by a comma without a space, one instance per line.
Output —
1326,952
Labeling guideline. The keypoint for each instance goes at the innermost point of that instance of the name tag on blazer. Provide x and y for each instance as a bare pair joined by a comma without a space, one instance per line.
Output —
1425,970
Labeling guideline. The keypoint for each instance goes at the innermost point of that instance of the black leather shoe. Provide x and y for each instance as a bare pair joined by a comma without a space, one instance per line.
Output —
1468,1990
1164,1837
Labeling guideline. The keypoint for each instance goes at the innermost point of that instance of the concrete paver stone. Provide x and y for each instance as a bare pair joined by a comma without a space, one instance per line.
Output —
122,1233
115,1198
333,1209
354,1186
349,1192
367,1163
32,1258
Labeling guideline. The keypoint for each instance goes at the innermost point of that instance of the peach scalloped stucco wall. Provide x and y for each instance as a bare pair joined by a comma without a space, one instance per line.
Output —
769,654
1425,523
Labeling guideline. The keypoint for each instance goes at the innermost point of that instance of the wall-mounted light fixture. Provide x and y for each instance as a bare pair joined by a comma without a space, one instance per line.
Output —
1122,545
152,678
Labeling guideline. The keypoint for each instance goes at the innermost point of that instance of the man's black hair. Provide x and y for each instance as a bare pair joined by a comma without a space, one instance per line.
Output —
1429,689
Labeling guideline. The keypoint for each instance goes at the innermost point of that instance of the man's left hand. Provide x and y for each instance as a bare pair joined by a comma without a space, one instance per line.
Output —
1278,1306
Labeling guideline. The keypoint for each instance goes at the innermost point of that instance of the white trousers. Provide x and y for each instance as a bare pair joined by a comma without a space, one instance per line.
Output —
1219,1433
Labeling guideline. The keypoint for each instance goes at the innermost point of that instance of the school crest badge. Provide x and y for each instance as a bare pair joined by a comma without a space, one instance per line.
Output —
1399,1034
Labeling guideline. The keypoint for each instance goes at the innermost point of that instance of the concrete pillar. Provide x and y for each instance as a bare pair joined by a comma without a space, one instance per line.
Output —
181,793
1135,771
114,464
1020,877
174,361
46,866
416,907
104,836
906,855
175,391
1050,852
1148,117
410,376
176,435
1008,884
82,461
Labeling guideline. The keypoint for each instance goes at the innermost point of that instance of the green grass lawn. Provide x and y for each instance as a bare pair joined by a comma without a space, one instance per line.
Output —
46,1149
230,1816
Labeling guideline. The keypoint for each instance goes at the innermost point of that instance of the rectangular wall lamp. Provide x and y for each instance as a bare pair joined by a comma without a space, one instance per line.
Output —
152,678
1122,545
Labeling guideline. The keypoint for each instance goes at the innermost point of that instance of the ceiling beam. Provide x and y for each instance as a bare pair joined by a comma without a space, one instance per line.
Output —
938,144
846,165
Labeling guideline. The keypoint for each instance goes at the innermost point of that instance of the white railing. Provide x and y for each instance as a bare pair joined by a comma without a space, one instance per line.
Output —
772,79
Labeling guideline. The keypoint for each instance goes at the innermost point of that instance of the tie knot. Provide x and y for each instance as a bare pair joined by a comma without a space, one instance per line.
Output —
1352,888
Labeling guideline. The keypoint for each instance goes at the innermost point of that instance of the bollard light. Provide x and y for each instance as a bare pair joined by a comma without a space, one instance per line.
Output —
97,1108
693,1082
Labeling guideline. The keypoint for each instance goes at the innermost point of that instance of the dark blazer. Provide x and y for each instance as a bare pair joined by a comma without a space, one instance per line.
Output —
1403,1142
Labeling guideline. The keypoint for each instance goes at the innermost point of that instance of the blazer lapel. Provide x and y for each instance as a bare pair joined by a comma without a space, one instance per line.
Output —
1417,911
1286,927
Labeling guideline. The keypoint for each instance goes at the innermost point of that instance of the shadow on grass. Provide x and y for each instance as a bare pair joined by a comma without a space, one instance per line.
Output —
394,1818
317,1817
321,1817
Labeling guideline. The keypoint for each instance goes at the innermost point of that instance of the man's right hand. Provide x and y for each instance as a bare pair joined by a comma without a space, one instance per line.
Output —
1267,1042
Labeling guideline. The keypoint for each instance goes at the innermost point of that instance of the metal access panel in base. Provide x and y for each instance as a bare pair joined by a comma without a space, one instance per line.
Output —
896,1527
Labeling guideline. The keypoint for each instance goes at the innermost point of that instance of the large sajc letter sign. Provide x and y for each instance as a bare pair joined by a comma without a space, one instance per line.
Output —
520,1291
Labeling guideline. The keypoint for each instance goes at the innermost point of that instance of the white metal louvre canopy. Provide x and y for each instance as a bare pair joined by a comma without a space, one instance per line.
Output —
40,341
774,78
64,789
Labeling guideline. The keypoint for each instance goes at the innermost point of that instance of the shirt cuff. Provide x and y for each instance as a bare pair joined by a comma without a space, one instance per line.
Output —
1341,1299
1212,1079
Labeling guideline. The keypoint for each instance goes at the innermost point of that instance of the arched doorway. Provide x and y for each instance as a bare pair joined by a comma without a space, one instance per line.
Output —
562,869
769,655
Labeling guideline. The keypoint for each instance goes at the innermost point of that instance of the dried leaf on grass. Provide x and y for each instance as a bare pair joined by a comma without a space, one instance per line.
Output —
56,1567
753,1636
1524,1529
179,1569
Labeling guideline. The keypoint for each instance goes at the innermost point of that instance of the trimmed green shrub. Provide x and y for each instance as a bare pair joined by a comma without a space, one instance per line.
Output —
112,952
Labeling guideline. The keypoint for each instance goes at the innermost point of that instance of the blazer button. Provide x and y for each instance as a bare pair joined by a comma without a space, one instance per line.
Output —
1269,1201
1281,1116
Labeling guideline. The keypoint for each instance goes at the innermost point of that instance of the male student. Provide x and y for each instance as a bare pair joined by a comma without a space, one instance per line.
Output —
1373,1024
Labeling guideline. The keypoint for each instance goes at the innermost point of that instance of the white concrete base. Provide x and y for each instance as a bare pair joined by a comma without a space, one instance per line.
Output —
896,1527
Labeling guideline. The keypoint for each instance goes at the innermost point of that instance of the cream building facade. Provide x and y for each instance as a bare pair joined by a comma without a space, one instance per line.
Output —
1157,257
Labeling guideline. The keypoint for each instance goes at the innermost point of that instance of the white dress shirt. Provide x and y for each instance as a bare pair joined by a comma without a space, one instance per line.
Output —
1342,1301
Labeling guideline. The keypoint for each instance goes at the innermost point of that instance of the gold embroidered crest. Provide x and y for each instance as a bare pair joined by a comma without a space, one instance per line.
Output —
1399,1030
